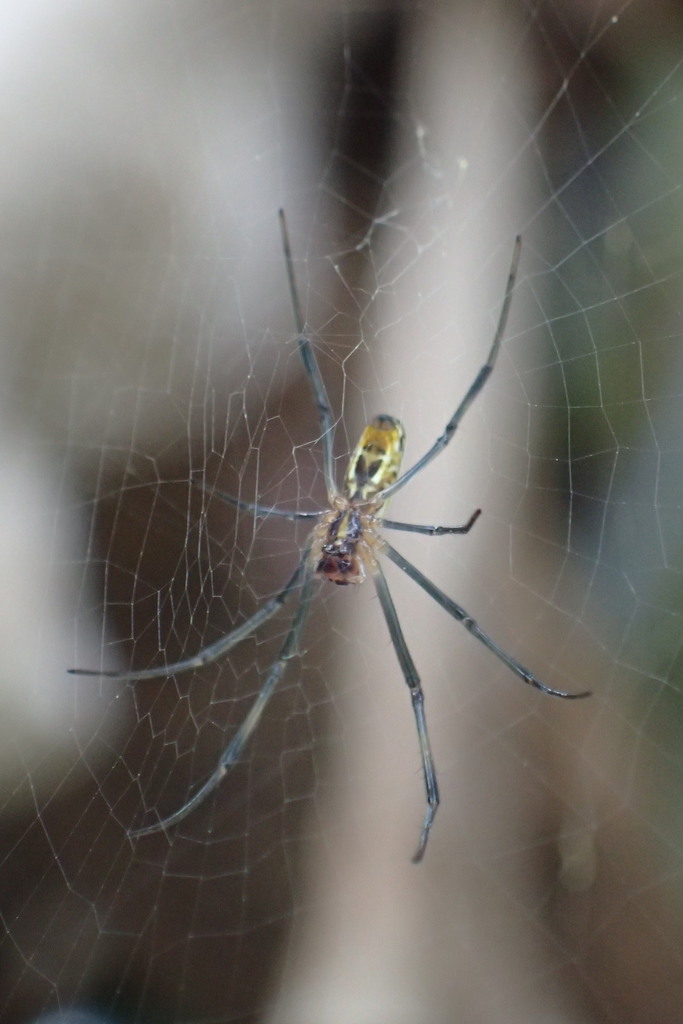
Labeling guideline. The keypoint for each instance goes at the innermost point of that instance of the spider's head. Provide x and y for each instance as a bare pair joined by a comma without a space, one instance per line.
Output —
341,568
340,534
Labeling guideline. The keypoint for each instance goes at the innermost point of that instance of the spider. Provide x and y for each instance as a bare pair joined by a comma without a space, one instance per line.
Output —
343,547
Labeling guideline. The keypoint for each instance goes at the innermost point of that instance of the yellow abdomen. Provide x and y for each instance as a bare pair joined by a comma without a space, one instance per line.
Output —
376,460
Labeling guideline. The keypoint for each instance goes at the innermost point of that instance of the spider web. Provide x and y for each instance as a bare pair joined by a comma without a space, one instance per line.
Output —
150,358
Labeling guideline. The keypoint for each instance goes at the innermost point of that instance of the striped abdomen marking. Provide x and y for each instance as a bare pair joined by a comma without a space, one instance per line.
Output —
376,460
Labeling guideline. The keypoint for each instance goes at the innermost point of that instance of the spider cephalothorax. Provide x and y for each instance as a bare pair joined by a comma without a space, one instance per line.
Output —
341,539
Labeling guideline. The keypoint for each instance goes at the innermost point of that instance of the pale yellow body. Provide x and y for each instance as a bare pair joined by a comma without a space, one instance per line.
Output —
376,460
345,538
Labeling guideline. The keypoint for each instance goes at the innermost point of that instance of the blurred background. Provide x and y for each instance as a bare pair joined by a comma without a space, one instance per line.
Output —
147,343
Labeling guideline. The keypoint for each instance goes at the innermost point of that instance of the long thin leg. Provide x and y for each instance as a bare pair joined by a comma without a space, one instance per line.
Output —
431,531
291,514
475,387
417,697
473,627
214,650
258,510
311,366
241,737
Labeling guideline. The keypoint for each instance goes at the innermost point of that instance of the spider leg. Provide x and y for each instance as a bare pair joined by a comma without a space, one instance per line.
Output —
241,737
474,389
311,367
417,697
214,650
258,510
432,531
473,627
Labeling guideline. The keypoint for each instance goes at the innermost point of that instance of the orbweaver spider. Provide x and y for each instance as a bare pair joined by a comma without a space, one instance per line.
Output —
343,547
